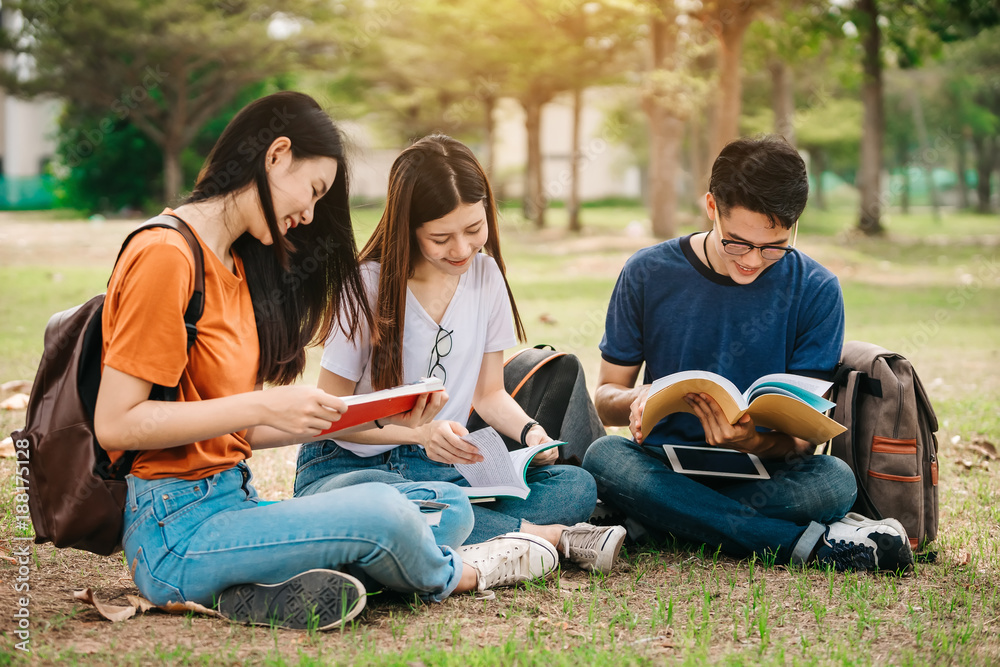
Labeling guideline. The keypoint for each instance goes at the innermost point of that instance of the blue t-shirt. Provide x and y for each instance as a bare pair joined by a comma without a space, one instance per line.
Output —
673,313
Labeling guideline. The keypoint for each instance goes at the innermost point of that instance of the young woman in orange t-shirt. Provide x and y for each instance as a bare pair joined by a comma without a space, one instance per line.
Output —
270,210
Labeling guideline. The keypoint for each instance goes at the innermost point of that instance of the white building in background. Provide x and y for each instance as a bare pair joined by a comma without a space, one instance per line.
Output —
607,168
27,136
27,145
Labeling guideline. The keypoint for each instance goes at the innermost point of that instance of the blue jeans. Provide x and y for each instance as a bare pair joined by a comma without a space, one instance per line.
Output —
743,517
559,494
189,540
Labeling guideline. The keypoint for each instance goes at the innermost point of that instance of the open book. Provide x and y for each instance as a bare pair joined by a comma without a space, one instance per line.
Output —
363,408
501,472
788,403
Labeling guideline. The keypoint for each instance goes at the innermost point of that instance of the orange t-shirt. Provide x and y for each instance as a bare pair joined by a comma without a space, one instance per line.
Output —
144,336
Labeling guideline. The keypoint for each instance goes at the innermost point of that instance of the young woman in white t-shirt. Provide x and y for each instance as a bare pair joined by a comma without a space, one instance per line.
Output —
442,306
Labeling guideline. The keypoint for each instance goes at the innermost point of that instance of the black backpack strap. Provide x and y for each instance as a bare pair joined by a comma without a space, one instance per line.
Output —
193,313
196,306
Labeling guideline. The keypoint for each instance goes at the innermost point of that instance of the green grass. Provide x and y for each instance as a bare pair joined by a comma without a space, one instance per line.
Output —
933,295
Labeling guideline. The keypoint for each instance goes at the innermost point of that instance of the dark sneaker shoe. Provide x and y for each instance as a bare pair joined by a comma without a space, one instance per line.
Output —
858,543
316,599
592,548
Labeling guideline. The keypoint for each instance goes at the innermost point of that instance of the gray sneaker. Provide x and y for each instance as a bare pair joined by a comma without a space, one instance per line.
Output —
509,559
859,543
592,548
315,599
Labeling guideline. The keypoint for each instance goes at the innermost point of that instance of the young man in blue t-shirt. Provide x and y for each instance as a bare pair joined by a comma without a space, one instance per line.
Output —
739,301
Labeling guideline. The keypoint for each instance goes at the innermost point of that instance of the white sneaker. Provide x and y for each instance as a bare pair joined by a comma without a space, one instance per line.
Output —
592,548
509,559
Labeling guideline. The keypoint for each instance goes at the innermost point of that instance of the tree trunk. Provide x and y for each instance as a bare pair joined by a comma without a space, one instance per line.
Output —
573,201
699,172
962,165
817,159
173,177
984,147
489,104
730,87
665,137
918,120
783,99
534,195
873,126
904,196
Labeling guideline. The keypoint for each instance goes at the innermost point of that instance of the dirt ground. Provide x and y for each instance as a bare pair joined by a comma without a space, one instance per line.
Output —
390,624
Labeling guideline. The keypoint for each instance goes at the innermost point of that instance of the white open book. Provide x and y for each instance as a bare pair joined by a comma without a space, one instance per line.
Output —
501,472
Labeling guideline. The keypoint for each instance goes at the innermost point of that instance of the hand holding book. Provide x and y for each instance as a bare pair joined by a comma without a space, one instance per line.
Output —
788,403
365,408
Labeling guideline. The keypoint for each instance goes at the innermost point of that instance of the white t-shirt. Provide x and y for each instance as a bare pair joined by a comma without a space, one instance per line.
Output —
479,318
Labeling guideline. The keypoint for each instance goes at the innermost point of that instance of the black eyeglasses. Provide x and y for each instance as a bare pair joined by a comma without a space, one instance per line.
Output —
769,252
442,348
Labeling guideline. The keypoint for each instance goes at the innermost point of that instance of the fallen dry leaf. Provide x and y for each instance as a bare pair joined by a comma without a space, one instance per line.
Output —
7,448
113,613
16,386
964,558
15,402
116,614
545,318
984,447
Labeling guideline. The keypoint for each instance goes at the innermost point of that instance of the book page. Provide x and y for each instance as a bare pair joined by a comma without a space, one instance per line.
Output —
811,385
423,386
666,396
496,468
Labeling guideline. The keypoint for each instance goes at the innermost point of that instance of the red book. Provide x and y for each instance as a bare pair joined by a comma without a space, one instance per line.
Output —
363,408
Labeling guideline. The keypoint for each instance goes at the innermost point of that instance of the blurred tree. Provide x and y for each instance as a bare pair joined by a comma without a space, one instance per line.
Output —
165,67
790,42
865,16
601,35
728,20
670,96
979,61
123,171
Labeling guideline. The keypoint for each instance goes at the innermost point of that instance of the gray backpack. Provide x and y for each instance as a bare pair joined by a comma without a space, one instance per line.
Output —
890,441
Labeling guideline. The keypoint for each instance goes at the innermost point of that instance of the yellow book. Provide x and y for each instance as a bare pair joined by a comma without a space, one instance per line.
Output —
785,402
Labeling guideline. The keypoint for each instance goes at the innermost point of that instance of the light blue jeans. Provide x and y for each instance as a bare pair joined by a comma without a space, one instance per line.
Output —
774,517
559,494
189,540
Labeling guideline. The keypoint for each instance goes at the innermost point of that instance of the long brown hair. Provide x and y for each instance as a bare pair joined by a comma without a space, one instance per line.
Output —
428,180
309,278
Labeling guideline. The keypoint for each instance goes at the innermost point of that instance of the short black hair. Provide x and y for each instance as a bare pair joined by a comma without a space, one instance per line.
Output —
763,174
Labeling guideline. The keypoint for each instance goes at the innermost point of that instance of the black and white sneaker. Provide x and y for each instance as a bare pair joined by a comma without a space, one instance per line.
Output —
859,543
313,600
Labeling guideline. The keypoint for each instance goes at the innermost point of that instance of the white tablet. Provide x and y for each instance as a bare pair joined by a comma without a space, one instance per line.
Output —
714,462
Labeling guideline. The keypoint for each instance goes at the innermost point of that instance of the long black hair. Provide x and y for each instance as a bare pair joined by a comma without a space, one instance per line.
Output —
309,277
428,180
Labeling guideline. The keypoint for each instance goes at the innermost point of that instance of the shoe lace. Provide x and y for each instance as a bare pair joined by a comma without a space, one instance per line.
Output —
583,540
502,573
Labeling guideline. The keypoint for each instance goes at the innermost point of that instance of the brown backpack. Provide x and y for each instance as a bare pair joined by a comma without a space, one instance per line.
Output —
890,441
76,496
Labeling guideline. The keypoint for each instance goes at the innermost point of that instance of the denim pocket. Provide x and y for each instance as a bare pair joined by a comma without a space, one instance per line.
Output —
133,522
315,462
180,507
